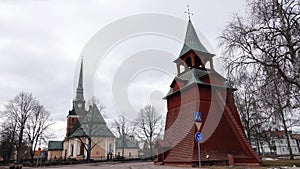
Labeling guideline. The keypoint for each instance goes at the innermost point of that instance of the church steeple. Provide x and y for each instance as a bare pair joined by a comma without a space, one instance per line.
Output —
79,101
79,90
193,53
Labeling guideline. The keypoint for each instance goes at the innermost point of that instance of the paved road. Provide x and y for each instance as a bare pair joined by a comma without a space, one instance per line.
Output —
138,165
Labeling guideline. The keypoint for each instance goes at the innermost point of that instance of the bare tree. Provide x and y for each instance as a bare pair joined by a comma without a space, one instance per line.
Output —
276,95
249,107
267,44
124,128
38,124
268,37
92,125
18,110
8,140
26,120
149,126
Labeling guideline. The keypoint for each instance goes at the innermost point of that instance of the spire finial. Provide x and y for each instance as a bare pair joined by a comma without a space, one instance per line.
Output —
188,12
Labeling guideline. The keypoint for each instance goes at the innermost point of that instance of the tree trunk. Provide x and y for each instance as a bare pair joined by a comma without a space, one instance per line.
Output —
19,149
287,136
151,150
123,145
284,122
89,150
31,156
258,146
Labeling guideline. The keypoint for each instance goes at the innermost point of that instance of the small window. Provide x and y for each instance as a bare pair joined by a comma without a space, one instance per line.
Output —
72,120
181,68
119,154
129,154
208,65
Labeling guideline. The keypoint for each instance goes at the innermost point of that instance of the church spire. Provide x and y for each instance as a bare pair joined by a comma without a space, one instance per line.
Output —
192,41
79,90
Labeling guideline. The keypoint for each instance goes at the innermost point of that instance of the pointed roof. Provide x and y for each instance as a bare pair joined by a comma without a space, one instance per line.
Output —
79,90
192,41
195,76
91,124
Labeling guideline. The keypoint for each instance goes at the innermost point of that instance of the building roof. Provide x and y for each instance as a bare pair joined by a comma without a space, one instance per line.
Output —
195,76
55,145
295,136
129,144
72,112
192,41
277,133
91,123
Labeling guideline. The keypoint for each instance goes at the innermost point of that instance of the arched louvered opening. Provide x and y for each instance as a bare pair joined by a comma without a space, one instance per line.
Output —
188,61
197,61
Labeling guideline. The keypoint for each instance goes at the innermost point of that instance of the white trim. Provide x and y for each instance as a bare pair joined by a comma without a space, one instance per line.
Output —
49,155
106,146
69,149
75,148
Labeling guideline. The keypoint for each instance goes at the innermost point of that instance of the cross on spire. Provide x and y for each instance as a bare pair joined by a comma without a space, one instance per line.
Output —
189,12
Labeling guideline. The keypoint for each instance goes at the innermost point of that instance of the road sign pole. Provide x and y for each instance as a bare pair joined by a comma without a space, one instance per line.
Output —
199,155
198,135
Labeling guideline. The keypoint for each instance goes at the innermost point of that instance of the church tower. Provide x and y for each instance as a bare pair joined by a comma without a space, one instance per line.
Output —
78,103
199,88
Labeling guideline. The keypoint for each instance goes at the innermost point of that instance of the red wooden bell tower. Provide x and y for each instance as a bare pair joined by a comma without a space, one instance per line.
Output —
199,88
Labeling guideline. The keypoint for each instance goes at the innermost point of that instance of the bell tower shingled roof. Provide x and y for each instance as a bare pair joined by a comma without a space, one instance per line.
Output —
192,41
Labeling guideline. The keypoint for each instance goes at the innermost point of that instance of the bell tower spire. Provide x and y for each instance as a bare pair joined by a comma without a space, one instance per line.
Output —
193,53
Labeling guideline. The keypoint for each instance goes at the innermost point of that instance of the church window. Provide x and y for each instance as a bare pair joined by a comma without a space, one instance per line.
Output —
81,149
72,149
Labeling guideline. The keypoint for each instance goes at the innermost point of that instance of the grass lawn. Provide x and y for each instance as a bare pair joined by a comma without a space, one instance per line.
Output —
265,165
277,163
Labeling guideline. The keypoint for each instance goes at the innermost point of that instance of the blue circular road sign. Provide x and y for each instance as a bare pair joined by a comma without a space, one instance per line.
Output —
198,137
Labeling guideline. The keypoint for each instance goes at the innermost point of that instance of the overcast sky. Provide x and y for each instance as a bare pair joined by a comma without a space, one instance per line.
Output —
42,41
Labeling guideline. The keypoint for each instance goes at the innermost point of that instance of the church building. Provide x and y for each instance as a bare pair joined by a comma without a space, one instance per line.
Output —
198,88
86,131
